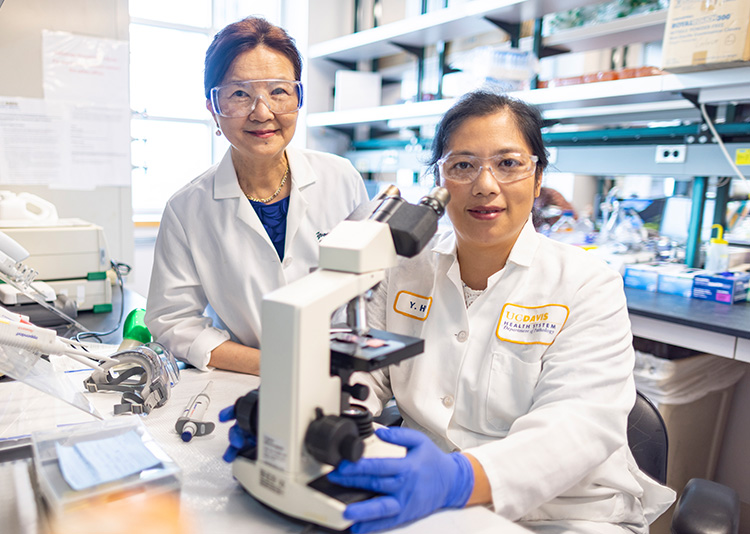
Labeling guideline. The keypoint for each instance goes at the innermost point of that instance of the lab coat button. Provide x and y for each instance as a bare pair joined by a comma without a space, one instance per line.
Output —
287,261
462,336
448,401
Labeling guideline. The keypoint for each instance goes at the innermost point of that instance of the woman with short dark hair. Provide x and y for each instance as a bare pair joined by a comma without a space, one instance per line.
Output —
521,397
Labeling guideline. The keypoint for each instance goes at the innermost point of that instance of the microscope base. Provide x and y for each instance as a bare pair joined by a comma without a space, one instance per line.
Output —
290,497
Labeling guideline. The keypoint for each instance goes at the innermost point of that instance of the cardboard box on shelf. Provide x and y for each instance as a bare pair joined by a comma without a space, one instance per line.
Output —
706,34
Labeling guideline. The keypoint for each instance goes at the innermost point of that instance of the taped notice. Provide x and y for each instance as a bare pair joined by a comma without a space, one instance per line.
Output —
742,156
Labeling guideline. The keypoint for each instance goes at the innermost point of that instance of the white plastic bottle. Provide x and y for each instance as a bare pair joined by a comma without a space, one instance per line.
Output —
584,230
564,228
717,255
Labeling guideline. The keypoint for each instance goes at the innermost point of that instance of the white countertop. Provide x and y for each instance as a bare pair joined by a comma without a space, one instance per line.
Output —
211,499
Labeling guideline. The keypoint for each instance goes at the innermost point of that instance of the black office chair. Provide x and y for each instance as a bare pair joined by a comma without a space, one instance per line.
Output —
704,507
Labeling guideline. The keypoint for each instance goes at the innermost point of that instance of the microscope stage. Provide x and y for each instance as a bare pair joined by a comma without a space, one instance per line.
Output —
377,349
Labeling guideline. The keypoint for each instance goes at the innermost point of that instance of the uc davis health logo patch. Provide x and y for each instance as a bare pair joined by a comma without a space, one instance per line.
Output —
527,325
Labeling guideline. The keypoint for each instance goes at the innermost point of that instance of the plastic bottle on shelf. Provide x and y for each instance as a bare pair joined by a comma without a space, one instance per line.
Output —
717,255
585,230
564,229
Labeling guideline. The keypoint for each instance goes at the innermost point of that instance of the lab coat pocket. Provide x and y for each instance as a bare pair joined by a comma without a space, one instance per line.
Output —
510,388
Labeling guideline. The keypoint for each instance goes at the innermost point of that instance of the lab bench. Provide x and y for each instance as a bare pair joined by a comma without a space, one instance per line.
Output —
211,500
701,325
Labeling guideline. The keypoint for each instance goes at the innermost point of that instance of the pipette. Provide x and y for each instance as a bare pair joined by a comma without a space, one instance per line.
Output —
191,423
45,341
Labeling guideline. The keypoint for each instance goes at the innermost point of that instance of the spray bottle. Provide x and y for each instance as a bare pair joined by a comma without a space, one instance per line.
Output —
134,330
717,255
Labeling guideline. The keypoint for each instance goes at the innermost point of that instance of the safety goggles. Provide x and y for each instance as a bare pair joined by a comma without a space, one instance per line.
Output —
239,99
145,375
507,167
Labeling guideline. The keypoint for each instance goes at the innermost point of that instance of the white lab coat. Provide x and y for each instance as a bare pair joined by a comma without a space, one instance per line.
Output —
534,379
212,253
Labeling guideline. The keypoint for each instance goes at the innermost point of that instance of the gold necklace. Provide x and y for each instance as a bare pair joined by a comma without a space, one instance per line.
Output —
276,193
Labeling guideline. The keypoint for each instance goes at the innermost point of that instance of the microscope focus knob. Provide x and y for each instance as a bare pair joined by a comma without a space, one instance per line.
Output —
357,391
246,412
332,438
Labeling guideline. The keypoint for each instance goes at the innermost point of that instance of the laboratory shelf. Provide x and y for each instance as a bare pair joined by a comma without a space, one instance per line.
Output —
643,28
381,114
448,24
656,97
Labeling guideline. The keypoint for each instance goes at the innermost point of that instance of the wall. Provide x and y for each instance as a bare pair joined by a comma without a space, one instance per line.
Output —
21,25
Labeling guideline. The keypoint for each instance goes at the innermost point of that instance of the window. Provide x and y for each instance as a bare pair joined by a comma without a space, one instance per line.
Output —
173,133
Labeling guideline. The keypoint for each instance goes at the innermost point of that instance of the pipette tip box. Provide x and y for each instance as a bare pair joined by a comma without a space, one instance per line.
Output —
126,439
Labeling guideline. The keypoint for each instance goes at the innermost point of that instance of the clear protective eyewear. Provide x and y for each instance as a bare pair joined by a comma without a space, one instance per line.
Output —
239,99
507,167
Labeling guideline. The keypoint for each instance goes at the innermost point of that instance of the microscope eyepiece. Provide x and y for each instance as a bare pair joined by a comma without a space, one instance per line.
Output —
436,199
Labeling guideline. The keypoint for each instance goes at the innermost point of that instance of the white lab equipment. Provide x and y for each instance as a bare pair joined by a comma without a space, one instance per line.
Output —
191,422
301,416
20,281
11,256
70,255
144,374
23,208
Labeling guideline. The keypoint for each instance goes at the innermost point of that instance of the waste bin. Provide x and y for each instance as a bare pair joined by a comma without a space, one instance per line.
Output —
693,392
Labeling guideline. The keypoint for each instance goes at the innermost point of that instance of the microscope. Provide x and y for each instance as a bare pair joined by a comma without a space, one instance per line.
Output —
301,417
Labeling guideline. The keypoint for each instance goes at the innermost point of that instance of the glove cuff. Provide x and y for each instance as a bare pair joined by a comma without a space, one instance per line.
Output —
463,484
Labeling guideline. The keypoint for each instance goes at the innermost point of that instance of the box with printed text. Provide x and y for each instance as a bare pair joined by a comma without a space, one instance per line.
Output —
641,276
726,288
706,34
677,279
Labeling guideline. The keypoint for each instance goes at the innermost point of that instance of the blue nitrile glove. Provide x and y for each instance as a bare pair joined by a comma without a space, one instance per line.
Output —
426,480
239,440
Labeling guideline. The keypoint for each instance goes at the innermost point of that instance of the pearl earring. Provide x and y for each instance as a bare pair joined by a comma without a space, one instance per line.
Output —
218,133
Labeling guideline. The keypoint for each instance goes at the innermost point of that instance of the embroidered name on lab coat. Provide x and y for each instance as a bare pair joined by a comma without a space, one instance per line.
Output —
412,305
531,325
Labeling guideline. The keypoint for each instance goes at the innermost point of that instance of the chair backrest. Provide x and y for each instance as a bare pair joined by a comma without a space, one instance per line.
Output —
647,438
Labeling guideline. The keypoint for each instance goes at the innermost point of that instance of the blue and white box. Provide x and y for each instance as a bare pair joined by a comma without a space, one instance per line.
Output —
677,280
726,288
641,276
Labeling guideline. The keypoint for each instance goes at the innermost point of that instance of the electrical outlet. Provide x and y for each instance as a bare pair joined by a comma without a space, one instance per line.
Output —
671,153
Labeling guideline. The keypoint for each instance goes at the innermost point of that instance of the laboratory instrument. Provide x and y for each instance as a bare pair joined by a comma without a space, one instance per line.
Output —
22,335
144,374
302,417
21,278
191,422
70,255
